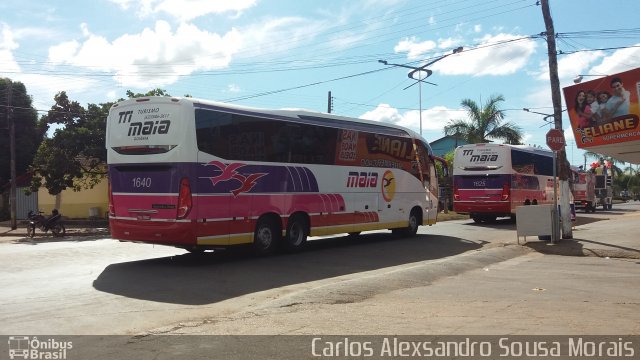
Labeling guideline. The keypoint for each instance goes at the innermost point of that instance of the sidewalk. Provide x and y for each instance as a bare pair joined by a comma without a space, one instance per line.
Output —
615,237
74,227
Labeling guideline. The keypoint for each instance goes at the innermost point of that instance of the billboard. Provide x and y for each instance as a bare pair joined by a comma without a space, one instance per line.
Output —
605,111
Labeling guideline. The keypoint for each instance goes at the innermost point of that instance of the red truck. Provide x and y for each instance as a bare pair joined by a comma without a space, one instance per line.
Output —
584,190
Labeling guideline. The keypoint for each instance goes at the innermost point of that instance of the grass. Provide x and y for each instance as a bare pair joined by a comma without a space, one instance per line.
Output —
451,215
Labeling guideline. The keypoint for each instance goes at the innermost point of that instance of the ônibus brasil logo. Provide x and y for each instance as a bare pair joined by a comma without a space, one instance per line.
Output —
25,347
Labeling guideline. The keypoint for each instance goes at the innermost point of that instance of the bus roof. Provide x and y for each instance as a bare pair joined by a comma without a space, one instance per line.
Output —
527,148
299,115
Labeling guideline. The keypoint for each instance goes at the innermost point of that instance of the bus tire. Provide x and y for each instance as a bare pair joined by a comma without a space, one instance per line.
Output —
412,228
296,234
266,236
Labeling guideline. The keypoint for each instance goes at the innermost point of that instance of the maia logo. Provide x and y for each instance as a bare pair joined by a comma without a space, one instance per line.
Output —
143,127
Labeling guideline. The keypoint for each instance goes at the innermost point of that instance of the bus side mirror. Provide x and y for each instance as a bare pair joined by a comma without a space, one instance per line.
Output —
443,163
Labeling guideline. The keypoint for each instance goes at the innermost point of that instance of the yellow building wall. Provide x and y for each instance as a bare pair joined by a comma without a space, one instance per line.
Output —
76,205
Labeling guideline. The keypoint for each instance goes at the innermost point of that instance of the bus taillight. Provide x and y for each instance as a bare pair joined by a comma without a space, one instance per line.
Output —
184,199
112,209
506,189
456,194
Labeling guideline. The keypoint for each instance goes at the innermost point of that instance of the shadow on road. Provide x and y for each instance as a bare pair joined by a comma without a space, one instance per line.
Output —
213,277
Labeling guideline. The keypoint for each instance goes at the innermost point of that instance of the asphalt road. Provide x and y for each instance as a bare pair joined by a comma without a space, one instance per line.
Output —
455,277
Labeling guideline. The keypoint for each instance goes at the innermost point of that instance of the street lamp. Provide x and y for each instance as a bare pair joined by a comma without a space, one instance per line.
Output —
546,116
578,78
420,80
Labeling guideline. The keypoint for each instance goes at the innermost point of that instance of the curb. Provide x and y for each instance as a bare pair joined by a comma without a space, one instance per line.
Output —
40,236
572,247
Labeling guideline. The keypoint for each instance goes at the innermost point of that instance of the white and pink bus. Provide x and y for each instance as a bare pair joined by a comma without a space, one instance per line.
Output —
199,174
491,180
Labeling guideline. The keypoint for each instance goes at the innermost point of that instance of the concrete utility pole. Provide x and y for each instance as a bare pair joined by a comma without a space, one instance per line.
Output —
12,151
563,171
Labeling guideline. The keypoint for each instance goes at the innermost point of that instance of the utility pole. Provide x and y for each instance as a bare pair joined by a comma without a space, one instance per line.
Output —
329,103
563,168
12,151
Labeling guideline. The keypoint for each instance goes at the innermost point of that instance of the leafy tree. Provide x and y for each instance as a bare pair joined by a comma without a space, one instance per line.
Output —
75,156
154,92
484,123
28,132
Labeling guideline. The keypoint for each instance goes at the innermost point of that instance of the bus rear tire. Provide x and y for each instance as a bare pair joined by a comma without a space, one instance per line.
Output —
266,236
296,235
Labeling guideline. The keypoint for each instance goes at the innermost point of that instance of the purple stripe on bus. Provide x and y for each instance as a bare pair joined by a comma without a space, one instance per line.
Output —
212,179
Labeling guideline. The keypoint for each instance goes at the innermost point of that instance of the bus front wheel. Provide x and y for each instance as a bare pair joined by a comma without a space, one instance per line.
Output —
266,236
296,235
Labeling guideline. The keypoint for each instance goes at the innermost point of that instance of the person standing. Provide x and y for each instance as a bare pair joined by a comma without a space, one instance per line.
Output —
618,103
583,111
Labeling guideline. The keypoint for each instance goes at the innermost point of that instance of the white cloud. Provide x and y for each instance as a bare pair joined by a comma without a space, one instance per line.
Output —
413,48
433,119
185,10
154,57
280,34
490,57
621,60
570,65
233,88
41,88
449,43
496,55
7,45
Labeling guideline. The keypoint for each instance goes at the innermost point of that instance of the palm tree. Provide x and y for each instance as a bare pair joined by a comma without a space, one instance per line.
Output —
484,123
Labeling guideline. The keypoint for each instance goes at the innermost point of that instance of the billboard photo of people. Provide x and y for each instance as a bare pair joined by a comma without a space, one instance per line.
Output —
605,111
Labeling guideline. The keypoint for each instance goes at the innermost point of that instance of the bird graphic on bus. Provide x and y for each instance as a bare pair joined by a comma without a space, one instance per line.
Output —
229,172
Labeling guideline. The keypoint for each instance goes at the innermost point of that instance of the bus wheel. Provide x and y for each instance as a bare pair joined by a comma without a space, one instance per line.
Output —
266,236
476,219
412,228
296,235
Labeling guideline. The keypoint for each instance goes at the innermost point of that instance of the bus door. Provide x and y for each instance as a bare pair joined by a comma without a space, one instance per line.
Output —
425,171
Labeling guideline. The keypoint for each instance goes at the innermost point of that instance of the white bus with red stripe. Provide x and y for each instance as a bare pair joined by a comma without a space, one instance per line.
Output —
198,174
491,180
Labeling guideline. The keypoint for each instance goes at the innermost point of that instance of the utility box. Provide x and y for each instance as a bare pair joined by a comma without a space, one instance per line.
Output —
534,220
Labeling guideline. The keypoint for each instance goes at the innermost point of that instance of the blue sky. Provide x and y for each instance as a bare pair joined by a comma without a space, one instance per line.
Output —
237,50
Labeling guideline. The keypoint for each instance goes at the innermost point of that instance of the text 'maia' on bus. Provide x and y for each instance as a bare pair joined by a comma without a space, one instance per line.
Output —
491,180
198,174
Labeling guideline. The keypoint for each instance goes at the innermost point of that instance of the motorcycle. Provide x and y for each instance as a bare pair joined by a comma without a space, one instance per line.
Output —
53,223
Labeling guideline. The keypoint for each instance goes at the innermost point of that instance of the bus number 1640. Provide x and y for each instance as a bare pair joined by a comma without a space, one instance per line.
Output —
140,182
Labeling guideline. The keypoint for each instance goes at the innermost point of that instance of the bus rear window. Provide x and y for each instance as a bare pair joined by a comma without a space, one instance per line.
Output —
143,149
